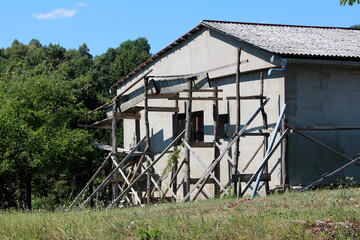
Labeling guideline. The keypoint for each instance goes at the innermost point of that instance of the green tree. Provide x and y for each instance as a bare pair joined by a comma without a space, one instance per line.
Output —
44,93
350,2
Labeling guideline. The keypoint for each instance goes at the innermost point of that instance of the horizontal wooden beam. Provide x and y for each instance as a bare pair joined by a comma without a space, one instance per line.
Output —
195,180
246,97
198,98
256,134
92,126
163,109
123,153
163,95
203,90
127,115
201,144
246,177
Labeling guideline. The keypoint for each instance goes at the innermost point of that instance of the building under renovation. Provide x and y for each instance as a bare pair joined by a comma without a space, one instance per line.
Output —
240,108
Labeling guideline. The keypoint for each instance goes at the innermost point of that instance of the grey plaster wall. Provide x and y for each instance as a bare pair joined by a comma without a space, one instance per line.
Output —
322,96
207,50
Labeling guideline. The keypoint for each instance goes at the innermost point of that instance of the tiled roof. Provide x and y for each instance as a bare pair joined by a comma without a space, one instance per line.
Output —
290,40
294,40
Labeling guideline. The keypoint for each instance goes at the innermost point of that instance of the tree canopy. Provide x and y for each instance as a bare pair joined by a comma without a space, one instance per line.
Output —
349,2
44,93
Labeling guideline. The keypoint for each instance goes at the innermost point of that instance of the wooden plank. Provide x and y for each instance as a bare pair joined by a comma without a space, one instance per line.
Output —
201,144
91,126
195,180
124,153
256,134
204,90
125,115
163,109
253,97
198,98
246,177
170,96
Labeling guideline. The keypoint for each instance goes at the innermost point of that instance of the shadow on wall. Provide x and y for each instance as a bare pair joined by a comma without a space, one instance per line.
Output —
309,161
157,141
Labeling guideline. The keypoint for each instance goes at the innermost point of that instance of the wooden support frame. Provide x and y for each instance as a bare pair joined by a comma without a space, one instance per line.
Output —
206,174
102,184
162,180
122,194
266,159
204,165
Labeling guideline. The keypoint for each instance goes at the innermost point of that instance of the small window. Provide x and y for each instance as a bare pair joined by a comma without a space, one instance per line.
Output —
197,125
224,125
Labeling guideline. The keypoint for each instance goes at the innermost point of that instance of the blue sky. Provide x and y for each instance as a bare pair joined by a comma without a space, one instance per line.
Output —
106,23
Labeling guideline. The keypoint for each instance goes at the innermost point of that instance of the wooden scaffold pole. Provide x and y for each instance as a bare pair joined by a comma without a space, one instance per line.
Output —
187,139
114,187
237,124
217,140
266,127
147,139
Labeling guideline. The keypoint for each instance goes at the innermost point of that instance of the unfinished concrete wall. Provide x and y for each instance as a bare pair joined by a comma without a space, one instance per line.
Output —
322,96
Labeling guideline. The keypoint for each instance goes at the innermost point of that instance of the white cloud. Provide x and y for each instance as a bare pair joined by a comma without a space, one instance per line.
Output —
80,4
56,13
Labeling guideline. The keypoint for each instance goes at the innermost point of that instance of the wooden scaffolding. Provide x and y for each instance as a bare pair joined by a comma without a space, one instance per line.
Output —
135,178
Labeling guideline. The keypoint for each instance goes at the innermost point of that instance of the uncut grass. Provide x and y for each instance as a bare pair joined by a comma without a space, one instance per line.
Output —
285,216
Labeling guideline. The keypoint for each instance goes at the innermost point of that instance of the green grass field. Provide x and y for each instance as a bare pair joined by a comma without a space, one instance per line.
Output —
323,214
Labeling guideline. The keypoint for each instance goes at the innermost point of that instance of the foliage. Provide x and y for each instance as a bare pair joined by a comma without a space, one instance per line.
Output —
324,214
350,2
44,93
355,26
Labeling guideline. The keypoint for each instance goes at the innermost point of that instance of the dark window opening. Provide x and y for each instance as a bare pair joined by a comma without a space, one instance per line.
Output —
197,125
223,125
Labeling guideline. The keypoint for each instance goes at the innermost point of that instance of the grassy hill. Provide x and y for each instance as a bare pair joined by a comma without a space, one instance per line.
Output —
323,214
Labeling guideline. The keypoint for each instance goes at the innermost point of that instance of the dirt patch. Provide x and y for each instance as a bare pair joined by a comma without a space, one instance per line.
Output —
327,228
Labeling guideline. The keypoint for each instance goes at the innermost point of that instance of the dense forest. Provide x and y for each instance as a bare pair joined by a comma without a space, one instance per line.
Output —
45,91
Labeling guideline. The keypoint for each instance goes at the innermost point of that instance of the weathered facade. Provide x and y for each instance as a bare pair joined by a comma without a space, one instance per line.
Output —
315,71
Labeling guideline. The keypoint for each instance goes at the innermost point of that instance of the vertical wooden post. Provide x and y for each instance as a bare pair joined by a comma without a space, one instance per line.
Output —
138,159
237,124
217,140
114,149
187,139
175,166
266,127
284,159
147,140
